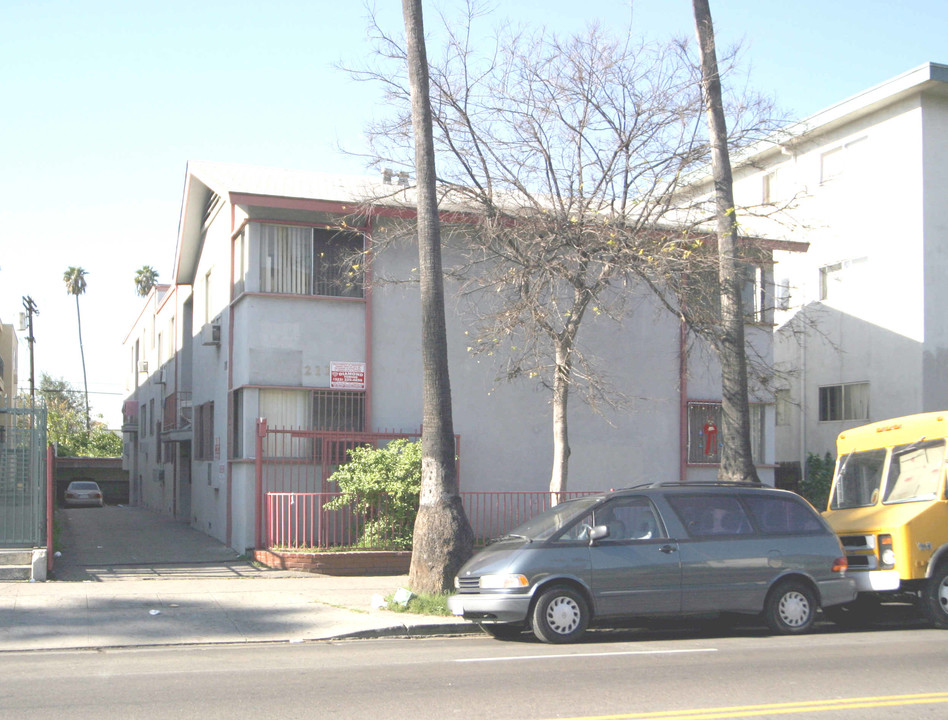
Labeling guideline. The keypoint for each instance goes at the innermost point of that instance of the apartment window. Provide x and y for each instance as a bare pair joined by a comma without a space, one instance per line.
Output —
310,261
752,293
772,188
704,291
844,279
339,410
241,261
236,425
204,432
848,158
844,402
783,407
704,432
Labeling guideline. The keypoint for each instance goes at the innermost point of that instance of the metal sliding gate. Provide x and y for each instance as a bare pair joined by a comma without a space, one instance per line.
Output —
22,477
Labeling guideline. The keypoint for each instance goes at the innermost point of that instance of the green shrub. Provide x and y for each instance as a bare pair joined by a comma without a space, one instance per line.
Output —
817,480
381,485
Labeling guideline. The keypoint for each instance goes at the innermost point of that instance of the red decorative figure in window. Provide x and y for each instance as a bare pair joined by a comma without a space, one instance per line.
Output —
710,438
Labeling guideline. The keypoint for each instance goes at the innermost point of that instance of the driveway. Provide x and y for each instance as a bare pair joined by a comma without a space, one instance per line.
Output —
118,542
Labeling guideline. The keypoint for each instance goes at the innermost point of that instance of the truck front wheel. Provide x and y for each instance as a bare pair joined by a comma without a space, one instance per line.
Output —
935,598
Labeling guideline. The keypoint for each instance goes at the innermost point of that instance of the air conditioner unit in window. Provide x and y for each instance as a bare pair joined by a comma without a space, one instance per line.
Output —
211,335
143,367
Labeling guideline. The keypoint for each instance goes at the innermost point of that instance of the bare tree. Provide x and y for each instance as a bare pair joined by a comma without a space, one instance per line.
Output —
571,153
443,538
737,463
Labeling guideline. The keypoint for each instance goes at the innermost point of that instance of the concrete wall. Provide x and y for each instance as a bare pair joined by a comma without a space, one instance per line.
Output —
107,472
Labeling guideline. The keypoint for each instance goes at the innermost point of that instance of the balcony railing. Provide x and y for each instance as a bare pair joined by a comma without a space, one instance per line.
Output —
178,411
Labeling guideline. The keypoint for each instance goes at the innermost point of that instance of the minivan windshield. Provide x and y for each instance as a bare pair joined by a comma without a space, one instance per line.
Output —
544,525
858,476
915,472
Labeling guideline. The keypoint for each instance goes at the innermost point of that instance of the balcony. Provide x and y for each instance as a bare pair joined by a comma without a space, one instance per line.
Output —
177,416
130,416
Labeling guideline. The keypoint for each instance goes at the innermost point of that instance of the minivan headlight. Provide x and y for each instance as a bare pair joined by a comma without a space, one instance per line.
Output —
503,581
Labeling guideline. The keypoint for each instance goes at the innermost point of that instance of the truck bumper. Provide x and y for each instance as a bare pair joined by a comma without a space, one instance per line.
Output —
876,580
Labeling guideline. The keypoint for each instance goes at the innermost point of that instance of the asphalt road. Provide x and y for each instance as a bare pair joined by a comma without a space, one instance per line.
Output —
679,673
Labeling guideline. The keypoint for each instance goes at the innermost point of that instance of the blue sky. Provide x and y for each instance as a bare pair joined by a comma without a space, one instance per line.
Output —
105,101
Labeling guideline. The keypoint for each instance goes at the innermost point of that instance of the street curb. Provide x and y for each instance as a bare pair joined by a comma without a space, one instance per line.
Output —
412,631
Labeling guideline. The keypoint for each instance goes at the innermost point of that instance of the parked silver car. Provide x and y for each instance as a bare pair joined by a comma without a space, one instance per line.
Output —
83,493
657,550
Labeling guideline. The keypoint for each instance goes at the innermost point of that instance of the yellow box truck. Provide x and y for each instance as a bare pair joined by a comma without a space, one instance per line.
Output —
888,505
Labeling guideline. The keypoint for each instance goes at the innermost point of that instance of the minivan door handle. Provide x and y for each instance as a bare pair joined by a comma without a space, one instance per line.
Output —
668,549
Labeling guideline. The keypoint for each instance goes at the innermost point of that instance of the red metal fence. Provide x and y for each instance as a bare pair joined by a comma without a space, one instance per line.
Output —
299,463
303,520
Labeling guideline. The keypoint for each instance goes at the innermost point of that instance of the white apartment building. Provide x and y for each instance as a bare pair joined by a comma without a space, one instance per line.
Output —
259,325
861,328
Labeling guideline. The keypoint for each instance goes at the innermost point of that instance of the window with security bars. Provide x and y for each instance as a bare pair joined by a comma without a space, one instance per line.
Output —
338,410
704,433
310,261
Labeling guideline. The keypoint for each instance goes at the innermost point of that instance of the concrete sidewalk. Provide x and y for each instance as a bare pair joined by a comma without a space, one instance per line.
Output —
265,607
130,577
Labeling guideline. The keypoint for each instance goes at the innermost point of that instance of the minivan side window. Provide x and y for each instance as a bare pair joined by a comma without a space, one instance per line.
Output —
782,516
630,518
711,515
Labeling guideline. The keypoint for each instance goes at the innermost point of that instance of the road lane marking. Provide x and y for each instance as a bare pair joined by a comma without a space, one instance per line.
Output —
580,655
806,706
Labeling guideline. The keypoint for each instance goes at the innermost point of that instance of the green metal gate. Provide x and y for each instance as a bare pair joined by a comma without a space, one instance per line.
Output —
22,477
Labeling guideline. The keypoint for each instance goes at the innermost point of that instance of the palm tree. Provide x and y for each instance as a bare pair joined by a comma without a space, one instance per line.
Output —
442,538
145,279
75,280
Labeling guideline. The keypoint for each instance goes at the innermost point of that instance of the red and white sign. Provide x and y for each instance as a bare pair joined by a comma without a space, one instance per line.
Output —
347,375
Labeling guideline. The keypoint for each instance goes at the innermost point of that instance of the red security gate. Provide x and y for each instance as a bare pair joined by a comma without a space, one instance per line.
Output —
301,461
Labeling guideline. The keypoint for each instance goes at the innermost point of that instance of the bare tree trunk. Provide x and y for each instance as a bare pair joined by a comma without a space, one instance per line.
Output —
442,539
737,463
561,382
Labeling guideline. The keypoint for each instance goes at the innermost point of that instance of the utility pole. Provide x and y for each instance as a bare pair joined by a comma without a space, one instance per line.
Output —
31,310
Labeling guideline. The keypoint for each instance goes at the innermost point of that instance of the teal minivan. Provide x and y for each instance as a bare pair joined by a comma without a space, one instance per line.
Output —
657,550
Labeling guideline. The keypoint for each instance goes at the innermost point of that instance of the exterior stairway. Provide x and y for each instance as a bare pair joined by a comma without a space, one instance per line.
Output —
16,565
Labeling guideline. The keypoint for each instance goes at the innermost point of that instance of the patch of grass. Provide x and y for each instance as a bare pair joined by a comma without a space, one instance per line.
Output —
422,604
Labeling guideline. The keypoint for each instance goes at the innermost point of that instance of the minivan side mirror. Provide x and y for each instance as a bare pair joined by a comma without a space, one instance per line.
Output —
599,532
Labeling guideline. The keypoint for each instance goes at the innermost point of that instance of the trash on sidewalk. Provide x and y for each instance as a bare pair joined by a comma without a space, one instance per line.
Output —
154,612
402,596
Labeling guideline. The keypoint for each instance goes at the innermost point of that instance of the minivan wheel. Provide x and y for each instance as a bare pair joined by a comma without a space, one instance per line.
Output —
790,608
503,631
560,615
935,598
